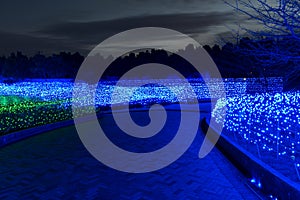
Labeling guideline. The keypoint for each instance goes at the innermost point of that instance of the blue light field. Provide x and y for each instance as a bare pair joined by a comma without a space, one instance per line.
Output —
262,119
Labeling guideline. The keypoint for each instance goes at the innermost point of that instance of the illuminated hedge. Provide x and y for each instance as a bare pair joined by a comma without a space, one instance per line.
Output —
268,125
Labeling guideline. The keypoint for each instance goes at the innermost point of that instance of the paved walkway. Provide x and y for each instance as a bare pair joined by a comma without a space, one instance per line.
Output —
55,165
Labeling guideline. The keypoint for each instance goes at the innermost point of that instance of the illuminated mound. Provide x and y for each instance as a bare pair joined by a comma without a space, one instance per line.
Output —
24,112
14,100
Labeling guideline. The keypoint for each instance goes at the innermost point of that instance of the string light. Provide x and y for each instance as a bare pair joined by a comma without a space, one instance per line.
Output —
267,126
30,103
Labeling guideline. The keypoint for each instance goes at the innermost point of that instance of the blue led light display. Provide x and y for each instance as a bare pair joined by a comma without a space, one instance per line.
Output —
267,125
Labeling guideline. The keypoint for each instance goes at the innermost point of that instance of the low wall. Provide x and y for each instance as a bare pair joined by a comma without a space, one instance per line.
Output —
272,182
23,134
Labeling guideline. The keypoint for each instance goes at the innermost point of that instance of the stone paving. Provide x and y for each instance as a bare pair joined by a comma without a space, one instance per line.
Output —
55,165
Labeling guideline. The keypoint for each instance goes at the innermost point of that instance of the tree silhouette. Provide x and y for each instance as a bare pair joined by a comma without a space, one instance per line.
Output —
276,46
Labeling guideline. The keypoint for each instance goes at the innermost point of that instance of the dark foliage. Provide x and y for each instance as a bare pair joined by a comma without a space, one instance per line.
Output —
18,66
232,60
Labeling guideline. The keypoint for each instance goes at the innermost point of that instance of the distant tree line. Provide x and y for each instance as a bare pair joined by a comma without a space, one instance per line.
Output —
18,66
233,60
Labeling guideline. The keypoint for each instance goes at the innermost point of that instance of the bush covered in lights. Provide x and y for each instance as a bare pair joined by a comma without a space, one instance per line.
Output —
35,102
267,125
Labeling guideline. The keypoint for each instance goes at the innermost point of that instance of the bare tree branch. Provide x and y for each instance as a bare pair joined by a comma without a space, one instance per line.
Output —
278,41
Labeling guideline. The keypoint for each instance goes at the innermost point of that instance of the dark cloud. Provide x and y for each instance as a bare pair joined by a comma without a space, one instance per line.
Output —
91,33
83,36
73,25
11,42
188,23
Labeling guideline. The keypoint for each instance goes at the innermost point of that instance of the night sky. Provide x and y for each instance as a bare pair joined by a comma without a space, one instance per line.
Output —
75,25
